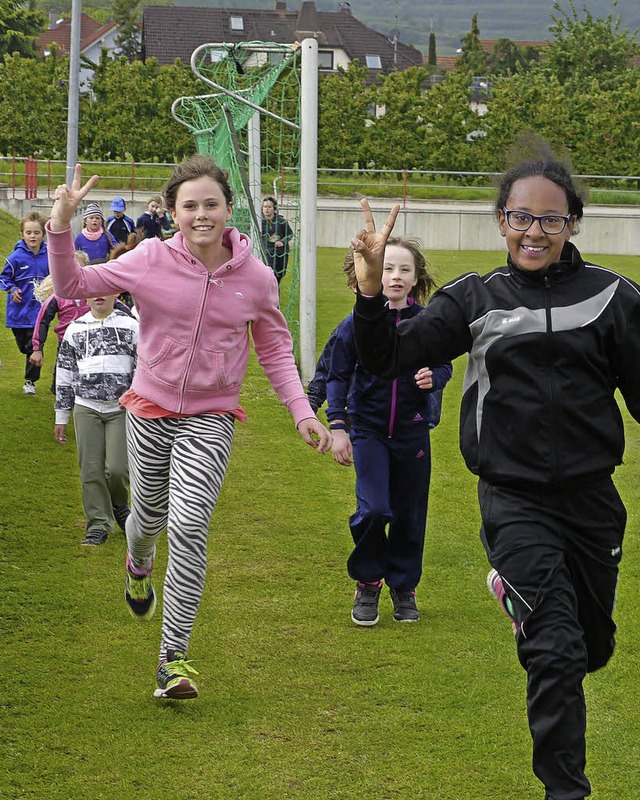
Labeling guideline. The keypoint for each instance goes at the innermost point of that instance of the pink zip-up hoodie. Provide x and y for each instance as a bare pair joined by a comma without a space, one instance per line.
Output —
194,325
68,311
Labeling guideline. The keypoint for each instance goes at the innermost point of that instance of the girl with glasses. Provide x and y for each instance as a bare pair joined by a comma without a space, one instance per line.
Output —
549,337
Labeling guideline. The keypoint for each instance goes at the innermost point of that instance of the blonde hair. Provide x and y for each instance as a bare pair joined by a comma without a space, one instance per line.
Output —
44,289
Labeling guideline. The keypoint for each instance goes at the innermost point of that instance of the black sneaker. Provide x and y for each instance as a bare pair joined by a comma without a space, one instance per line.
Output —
174,682
121,514
94,537
404,606
365,605
139,593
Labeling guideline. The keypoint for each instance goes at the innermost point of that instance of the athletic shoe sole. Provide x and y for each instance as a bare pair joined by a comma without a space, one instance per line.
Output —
365,623
185,690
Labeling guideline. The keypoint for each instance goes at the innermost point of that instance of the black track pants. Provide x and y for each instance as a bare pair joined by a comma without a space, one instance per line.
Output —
558,553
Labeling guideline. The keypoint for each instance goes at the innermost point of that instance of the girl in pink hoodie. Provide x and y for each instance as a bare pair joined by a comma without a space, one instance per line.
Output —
198,294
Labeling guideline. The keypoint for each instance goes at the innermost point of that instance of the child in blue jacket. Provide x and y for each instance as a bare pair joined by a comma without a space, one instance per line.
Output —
24,269
388,443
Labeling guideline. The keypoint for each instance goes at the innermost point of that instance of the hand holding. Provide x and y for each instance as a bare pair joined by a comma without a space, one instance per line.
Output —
342,448
424,378
315,434
368,249
68,198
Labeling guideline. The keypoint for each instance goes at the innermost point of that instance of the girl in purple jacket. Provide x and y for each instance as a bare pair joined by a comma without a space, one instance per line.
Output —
198,295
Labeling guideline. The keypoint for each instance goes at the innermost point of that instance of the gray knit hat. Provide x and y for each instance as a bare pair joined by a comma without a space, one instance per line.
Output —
92,210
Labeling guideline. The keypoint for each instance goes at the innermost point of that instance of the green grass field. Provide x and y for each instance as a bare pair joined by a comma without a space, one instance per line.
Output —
296,702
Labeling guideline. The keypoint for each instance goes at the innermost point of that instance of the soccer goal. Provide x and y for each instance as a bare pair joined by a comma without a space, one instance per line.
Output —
260,124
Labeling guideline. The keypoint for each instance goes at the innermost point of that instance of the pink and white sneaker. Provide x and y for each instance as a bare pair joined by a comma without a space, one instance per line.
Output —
495,586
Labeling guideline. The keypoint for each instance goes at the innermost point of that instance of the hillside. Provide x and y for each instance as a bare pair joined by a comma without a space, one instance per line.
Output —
451,19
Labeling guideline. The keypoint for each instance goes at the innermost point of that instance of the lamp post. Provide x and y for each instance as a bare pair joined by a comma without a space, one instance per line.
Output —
74,90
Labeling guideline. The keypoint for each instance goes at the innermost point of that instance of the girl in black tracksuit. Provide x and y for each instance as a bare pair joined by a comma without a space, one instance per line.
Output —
388,442
550,338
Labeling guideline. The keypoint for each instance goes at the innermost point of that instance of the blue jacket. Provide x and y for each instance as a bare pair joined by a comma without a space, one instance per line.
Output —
24,270
98,249
394,407
122,225
154,226
317,386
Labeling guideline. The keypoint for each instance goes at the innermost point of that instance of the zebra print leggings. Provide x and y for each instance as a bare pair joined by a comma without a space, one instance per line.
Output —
176,467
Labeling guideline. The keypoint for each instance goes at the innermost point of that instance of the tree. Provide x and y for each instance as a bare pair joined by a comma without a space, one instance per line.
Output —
343,103
473,58
42,83
582,48
395,139
508,58
432,59
448,137
130,115
20,25
127,17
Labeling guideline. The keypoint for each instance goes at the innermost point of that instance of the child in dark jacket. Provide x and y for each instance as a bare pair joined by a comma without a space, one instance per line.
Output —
24,269
154,223
388,443
119,225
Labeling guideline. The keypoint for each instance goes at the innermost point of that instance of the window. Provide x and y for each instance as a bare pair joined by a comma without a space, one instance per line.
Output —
373,62
237,24
325,59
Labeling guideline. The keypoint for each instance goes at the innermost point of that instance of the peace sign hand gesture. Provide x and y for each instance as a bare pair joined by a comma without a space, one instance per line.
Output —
368,249
67,199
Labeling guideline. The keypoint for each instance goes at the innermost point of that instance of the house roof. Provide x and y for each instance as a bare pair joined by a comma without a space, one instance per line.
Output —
448,63
171,32
90,31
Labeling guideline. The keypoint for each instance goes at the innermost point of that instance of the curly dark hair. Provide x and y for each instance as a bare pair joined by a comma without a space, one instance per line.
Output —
532,155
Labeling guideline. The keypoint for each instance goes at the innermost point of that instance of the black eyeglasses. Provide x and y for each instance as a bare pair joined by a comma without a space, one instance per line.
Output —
551,224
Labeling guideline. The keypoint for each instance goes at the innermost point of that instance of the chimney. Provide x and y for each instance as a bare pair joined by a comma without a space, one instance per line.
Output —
281,5
53,20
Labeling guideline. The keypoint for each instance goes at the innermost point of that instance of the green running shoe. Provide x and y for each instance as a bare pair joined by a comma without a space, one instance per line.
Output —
139,593
174,682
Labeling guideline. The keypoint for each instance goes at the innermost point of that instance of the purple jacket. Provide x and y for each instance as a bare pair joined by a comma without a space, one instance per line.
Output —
194,325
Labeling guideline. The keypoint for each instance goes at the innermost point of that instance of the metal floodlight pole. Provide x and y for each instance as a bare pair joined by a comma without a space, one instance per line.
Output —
308,206
74,90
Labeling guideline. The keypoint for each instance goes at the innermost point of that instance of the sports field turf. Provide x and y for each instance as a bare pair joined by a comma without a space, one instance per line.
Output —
296,702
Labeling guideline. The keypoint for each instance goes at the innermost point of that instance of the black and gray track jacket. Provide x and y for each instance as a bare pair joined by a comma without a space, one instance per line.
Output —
546,354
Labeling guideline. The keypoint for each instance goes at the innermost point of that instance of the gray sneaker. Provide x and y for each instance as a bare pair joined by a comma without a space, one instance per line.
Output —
94,537
404,606
365,605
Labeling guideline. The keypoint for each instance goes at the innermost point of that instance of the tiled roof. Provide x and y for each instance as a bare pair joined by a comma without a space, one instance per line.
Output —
90,31
488,45
171,33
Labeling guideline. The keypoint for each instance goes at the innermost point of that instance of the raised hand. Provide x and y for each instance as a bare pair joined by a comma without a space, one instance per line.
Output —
368,249
68,198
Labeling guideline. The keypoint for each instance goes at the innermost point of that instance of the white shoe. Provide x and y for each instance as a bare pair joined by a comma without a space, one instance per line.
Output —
29,388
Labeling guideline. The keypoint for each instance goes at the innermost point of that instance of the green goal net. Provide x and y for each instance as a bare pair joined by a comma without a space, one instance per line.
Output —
250,124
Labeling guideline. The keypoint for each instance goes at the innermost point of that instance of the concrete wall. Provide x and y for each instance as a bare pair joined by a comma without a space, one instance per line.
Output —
440,226
451,227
